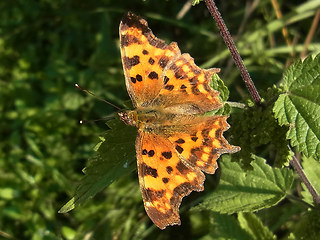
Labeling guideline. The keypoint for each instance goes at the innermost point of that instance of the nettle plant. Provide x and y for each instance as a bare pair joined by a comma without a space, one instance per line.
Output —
285,123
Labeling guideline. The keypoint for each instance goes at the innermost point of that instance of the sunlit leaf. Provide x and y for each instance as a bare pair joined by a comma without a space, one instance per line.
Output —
244,191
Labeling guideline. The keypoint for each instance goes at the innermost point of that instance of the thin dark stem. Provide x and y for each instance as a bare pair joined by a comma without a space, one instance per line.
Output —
296,165
251,87
233,50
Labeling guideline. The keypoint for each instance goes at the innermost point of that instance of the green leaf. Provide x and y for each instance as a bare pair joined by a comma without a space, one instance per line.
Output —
115,158
247,191
253,225
219,85
254,129
299,106
312,169
226,227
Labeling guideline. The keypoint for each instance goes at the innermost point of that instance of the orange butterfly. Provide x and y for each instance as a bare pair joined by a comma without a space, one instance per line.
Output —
175,141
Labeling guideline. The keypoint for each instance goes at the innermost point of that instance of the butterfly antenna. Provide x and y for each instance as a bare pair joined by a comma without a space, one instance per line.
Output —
93,121
99,98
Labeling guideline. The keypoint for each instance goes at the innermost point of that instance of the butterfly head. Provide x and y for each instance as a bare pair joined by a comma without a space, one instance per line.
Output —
129,117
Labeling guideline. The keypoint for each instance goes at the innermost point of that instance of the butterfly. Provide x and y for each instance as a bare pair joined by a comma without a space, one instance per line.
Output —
175,142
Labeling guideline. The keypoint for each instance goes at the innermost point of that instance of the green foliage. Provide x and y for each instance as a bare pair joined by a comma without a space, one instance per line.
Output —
218,85
225,227
47,46
247,191
253,225
308,226
261,129
312,169
247,226
299,106
115,158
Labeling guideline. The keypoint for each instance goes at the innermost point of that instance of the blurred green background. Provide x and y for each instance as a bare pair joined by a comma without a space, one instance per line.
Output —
48,46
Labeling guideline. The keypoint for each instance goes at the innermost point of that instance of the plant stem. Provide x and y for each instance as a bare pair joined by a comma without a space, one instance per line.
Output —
233,50
250,85
236,105
296,165
310,34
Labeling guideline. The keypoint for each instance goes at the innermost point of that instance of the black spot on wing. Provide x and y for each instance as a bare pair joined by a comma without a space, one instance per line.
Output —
147,170
150,153
179,149
133,80
151,61
165,80
165,180
169,87
167,155
131,62
139,78
169,169
180,141
194,139
163,61
153,75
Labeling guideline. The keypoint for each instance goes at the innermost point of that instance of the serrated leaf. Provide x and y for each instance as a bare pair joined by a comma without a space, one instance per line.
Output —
226,227
218,85
115,158
240,191
299,106
253,225
312,169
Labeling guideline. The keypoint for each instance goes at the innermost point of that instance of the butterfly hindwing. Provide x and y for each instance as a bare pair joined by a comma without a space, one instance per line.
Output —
165,178
169,164
202,143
